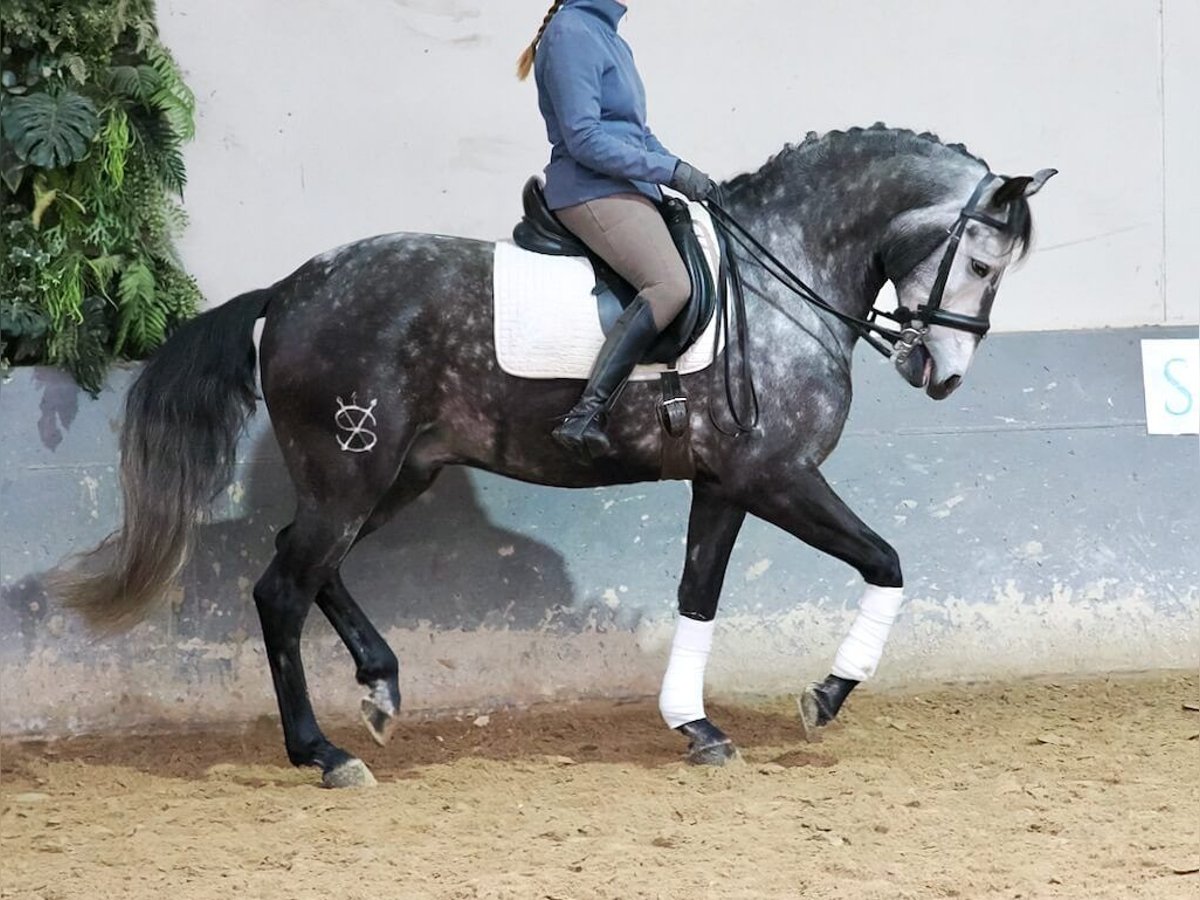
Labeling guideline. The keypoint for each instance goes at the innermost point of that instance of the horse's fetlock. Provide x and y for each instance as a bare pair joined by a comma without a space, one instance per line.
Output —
381,665
301,756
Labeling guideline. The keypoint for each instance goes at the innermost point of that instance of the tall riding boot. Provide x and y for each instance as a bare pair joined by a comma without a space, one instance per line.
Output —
582,430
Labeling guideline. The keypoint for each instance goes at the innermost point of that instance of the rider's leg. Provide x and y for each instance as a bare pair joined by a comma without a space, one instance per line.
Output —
628,232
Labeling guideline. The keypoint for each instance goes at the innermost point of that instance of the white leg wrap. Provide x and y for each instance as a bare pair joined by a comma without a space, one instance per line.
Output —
859,654
681,699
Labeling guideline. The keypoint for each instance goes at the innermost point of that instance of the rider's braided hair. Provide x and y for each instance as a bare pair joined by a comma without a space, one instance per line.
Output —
525,60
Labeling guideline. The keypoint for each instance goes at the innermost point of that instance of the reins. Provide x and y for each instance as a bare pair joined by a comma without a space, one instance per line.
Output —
867,328
730,281
895,344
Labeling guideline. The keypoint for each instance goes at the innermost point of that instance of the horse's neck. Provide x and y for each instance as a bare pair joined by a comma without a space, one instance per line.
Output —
828,238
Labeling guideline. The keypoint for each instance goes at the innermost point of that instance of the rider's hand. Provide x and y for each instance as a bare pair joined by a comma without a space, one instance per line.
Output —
691,182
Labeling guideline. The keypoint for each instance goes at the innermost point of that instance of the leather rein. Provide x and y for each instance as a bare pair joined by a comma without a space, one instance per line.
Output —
897,344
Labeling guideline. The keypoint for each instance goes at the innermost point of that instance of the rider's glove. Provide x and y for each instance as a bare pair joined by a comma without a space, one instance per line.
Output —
691,182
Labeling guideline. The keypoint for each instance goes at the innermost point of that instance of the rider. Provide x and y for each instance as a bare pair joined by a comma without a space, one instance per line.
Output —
602,182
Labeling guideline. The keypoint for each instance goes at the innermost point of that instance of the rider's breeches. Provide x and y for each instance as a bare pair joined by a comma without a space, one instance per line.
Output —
628,232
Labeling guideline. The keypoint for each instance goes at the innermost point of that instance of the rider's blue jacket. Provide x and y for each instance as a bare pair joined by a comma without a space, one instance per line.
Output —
594,104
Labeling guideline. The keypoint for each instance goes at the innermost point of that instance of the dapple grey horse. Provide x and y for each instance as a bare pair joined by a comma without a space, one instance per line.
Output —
406,321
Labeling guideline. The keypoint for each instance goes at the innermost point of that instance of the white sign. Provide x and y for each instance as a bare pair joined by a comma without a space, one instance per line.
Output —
1171,374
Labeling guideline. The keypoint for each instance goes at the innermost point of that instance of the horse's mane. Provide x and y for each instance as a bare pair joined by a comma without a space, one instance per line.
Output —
879,136
808,155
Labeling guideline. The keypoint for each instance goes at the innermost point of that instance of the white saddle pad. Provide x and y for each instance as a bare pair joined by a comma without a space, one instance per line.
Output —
547,324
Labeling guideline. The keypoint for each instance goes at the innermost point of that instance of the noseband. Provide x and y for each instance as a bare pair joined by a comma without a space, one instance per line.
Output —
893,343
914,323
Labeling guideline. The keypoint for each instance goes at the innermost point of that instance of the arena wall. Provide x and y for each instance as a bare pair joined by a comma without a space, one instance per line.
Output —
1042,532
1042,529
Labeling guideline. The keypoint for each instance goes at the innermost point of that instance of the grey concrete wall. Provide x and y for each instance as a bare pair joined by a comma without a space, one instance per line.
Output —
1042,531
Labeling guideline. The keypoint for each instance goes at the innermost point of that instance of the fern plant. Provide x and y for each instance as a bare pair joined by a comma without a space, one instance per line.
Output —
93,114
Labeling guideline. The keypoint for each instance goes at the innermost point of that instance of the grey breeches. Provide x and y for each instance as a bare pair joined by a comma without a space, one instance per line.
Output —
627,231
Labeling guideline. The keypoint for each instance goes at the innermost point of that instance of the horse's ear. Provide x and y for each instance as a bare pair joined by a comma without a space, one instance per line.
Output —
1040,177
1021,186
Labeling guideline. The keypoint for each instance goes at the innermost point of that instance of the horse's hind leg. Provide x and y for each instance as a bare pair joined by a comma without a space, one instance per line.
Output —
712,531
376,666
307,556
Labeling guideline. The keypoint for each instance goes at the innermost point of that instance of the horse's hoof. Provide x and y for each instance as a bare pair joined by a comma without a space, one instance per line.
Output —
380,723
379,713
353,773
708,745
812,713
821,702
714,754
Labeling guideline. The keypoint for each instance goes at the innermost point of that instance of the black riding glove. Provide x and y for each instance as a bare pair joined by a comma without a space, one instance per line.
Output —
691,182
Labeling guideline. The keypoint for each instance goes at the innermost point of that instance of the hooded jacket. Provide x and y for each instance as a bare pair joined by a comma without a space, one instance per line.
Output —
594,104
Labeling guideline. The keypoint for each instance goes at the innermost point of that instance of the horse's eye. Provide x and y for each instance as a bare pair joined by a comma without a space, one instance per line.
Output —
981,269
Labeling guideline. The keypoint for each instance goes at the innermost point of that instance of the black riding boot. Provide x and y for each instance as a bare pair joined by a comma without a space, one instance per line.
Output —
582,430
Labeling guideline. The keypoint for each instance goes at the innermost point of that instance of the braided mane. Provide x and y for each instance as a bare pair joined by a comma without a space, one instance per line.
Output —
877,137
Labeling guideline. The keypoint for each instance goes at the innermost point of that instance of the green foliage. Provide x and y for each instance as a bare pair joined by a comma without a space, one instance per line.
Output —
93,114
138,312
85,341
50,130
23,319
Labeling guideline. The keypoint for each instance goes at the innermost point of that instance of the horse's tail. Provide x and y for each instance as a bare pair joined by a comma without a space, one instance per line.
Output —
183,416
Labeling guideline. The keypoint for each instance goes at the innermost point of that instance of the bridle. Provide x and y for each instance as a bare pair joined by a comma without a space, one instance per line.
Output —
895,343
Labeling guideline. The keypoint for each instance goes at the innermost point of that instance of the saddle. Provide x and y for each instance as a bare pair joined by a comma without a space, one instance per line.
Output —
540,231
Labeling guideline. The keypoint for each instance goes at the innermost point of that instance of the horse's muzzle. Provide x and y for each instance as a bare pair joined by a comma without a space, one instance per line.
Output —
942,389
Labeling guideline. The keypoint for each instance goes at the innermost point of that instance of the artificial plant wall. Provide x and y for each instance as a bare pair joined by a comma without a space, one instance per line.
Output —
93,111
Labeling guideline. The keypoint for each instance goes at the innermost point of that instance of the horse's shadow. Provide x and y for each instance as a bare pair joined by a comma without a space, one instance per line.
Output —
441,563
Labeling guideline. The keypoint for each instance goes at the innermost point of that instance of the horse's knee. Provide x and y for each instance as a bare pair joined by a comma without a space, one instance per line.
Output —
882,567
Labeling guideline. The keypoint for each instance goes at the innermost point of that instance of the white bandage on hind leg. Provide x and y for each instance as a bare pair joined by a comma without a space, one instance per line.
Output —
681,699
859,653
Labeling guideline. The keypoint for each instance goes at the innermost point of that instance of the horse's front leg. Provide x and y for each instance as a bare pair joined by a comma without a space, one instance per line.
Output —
712,530
809,509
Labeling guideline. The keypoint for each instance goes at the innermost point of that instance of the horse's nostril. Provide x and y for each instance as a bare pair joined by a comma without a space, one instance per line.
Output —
952,382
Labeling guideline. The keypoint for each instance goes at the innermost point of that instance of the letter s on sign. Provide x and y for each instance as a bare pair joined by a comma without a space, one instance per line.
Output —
1179,386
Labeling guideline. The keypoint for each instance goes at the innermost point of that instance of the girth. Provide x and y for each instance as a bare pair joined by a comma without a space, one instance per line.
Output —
541,232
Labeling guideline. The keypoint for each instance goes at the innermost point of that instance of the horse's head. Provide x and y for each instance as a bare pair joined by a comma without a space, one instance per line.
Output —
963,251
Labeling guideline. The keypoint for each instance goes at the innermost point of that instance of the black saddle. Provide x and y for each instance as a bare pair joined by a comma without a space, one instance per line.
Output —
541,231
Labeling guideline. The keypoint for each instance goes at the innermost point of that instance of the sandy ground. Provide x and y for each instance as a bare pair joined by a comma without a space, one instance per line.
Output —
1018,790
